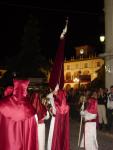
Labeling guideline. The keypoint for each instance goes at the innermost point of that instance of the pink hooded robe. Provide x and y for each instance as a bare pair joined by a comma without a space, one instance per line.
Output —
60,138
18,125
41,113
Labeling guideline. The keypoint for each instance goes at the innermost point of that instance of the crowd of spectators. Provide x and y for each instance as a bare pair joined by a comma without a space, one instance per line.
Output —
75,99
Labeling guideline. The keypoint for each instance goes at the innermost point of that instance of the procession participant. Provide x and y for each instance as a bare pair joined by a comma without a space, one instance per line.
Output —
102,116
50,96
56,83
18,120
42,114
89,139
59,128
110,108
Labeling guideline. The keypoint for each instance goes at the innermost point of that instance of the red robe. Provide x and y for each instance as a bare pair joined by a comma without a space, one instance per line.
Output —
39,107
18,126
61,135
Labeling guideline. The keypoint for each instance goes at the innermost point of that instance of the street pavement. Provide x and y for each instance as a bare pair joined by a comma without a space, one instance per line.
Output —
105,139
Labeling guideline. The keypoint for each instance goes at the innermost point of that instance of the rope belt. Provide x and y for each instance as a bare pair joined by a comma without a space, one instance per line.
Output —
93,120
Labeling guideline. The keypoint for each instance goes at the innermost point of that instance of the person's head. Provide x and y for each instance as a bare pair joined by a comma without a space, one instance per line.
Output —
20,87
111,89
100,91
87,93
93,94
106,90
61,97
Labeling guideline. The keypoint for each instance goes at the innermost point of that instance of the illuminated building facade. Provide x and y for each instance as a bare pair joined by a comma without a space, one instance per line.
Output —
83,69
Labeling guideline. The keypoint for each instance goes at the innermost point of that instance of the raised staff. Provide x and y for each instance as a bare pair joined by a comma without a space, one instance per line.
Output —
81,120
59,125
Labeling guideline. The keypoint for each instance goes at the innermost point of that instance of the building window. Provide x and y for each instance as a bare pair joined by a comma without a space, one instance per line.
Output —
79,73
98,64
68,67
86,65
68,76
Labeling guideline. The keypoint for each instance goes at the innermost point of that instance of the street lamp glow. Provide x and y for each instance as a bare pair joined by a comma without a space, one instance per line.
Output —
76,80
102,38
81,51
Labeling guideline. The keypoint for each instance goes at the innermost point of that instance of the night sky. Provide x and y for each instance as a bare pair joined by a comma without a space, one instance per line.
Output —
86,23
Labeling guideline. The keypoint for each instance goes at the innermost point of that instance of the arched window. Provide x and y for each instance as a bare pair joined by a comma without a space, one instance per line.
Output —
78,73
86,65
68,76
68,67
98,64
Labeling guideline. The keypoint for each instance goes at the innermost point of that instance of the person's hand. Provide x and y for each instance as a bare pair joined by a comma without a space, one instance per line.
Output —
47,116
82,113
50,95
54,110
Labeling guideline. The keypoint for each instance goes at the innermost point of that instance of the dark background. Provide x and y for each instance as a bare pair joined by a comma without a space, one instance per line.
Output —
86,24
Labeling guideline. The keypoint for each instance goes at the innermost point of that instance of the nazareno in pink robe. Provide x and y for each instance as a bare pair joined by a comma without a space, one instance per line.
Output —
18,125
61,134
41,113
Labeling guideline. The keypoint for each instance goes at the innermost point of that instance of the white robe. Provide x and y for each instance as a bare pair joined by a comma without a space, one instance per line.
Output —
52,123
41,134
50,136
90,142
